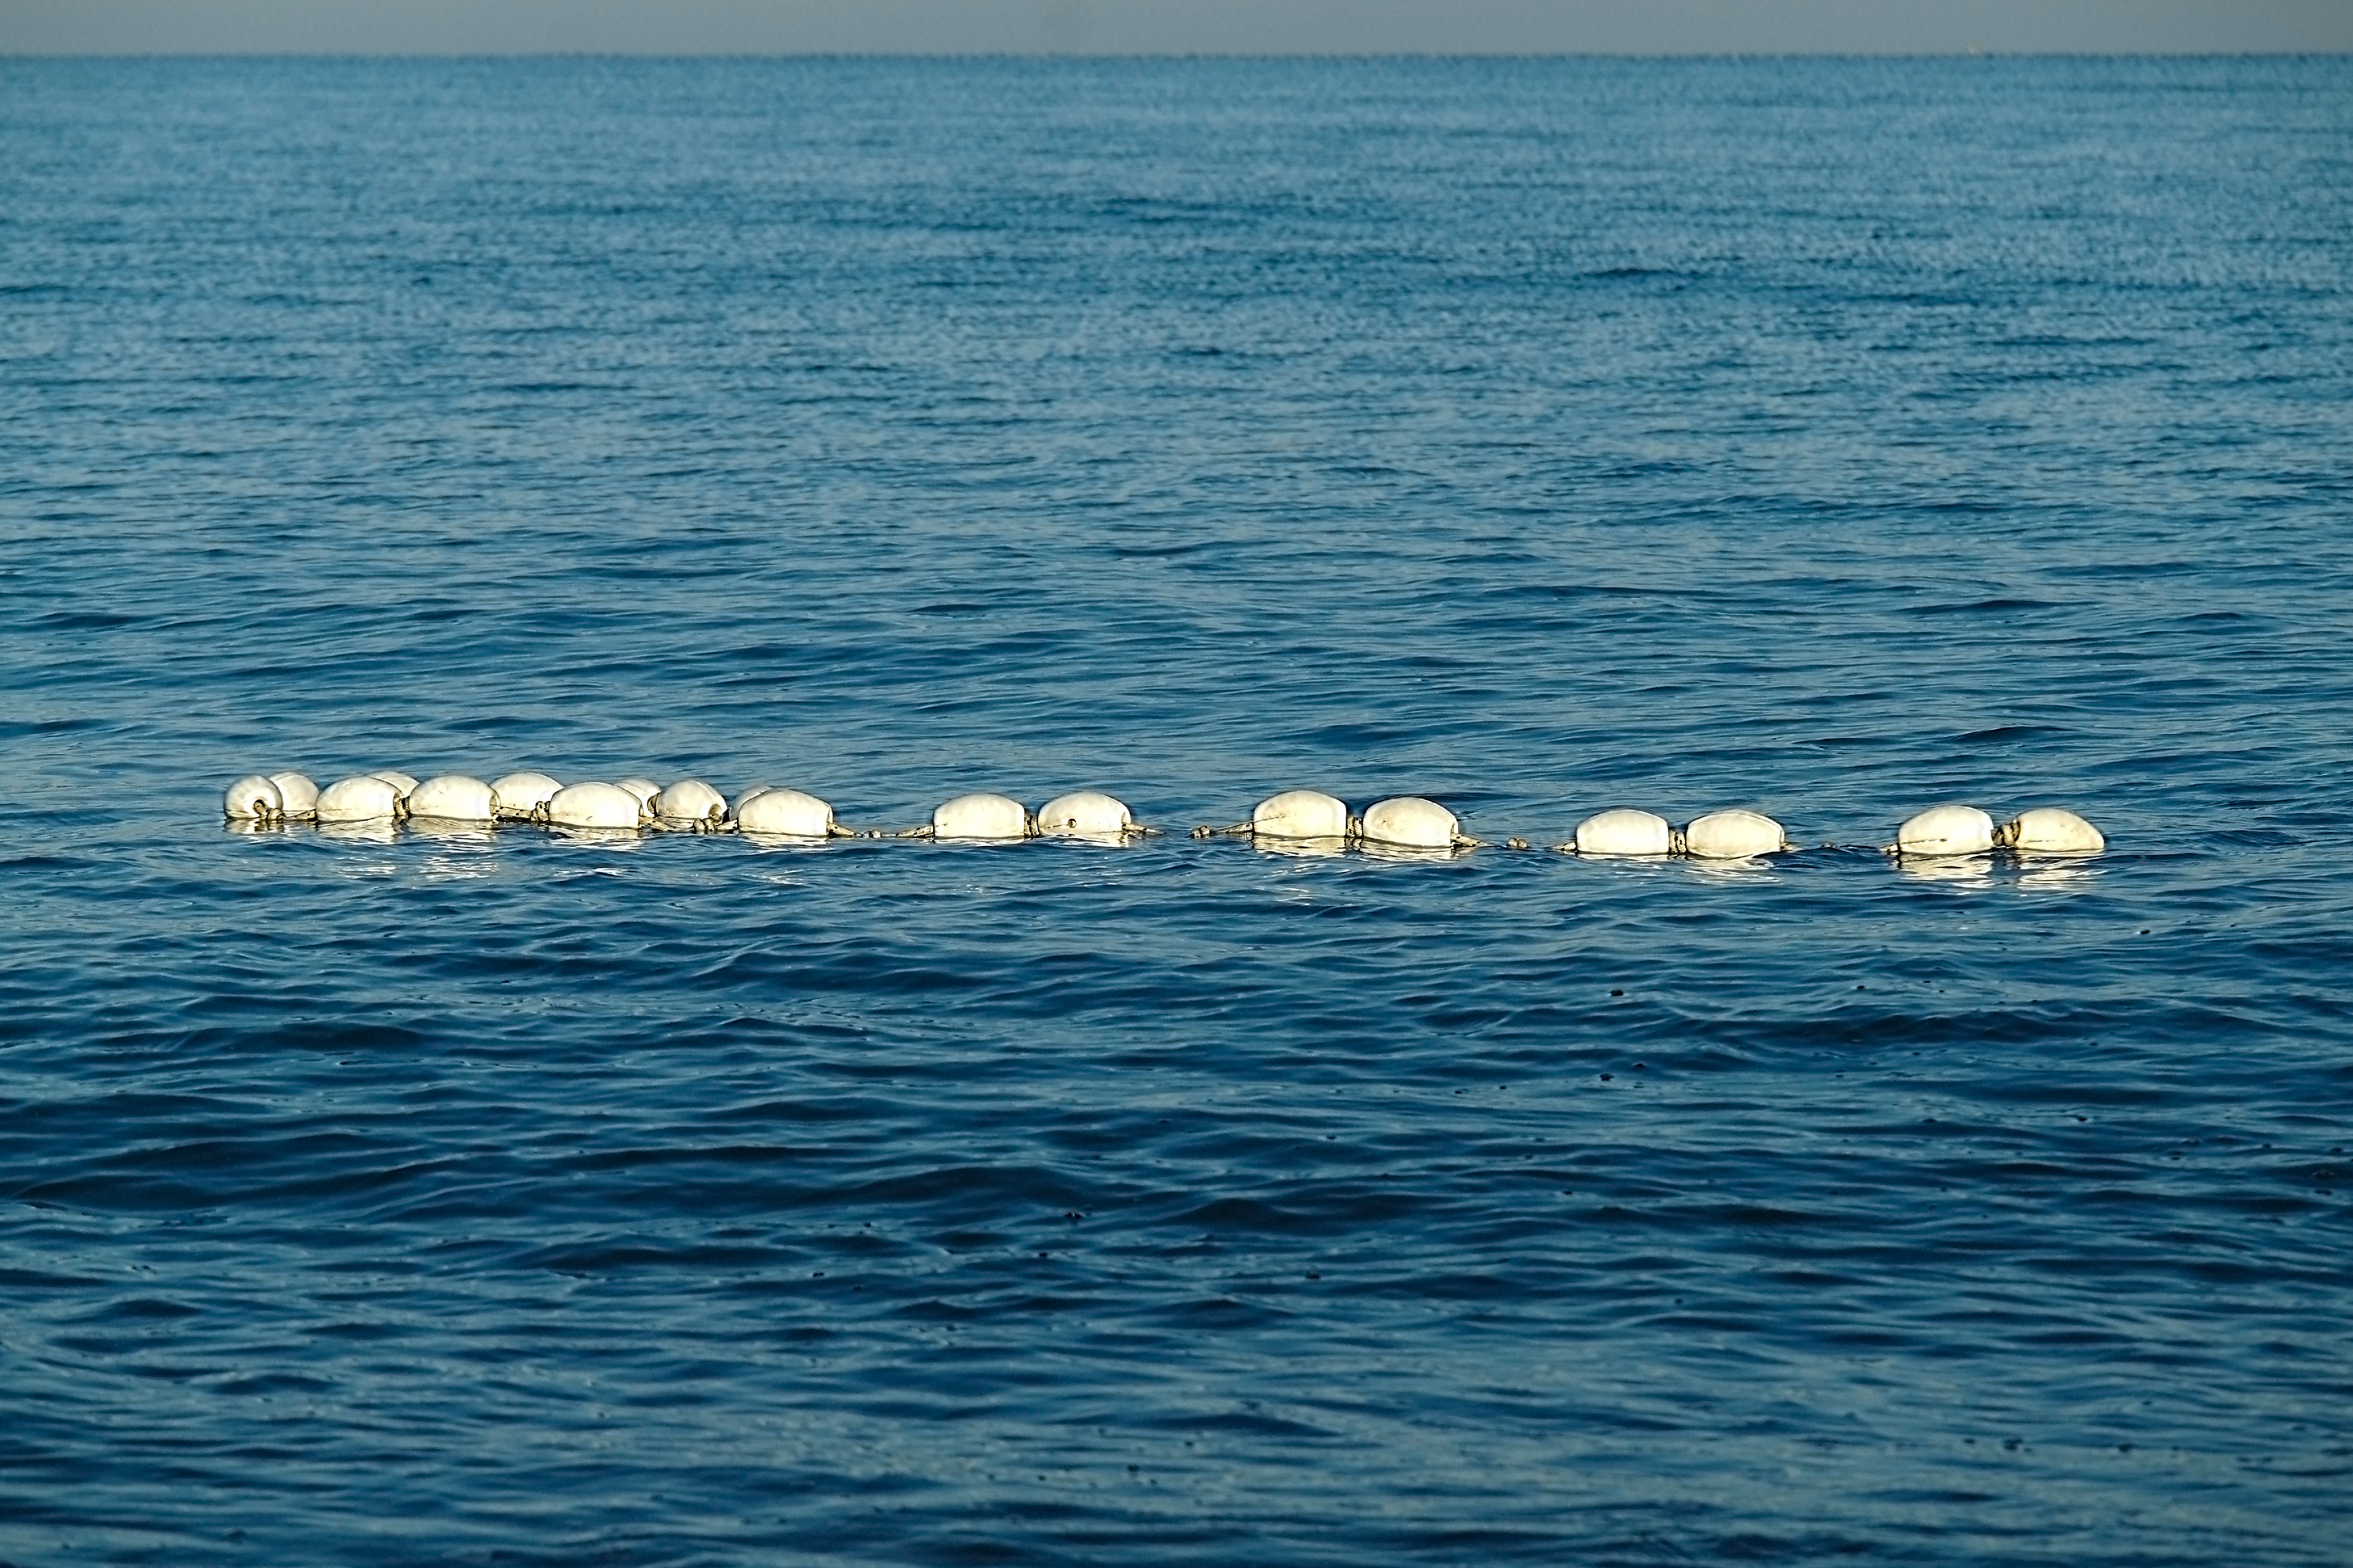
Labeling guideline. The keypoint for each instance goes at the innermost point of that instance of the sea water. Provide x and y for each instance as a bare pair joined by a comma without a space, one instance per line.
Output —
1828,437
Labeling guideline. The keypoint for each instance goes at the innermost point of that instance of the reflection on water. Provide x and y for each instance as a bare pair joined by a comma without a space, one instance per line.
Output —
450,830
379,830
2058,873
1964,871
1726,870
460,851
1300,848
600,838
1373,851
786,840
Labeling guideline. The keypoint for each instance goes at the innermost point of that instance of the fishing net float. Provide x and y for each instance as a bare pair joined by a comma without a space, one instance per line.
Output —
1299,817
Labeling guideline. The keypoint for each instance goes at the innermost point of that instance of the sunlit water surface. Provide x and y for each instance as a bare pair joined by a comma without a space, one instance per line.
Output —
1831,438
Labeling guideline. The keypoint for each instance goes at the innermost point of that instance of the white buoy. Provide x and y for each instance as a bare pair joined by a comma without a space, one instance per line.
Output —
1412,823
1624,831
454,797
300,795
1945,830
366,798
256,797
691,801
981,816
1733,835
787,813
1084,813
643,788
523,796
757,789
1300,814
596,805
396,779
2048,830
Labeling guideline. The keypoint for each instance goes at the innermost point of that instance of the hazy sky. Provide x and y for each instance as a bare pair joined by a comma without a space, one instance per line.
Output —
1169,26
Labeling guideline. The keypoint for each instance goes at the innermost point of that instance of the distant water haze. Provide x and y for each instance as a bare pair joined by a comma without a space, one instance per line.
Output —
1173,26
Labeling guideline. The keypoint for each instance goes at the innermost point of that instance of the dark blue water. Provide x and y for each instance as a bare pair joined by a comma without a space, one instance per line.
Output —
1832,438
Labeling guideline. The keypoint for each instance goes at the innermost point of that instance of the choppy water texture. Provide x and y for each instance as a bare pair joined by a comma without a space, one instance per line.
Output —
1828,437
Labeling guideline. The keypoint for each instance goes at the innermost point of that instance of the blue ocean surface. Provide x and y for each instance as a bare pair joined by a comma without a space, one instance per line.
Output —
1828,437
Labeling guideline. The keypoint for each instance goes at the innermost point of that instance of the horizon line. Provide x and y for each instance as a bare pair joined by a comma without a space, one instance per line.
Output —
1171,55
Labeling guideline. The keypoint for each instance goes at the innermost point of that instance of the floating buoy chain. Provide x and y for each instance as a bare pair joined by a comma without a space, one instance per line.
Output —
1400,822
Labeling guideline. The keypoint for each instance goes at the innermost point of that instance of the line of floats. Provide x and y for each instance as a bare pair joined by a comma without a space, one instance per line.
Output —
1292,816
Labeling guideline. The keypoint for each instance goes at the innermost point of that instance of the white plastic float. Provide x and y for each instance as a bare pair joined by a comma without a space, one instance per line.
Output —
1945,830
454,797
1733,835
643,788
1084,813
299,794
256,797
399,781
366,798
690,802
1300,814
786,813
2048,830
596,805
1409,822
980,815
522,795
1623,831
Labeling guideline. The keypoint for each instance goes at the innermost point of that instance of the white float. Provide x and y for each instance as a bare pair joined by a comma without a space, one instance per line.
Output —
300,795
1410,822
2048,830
787,813
366,798
1945,830
256,797
757,789
643,788
981,816
691,801
596,805
1086,812
399,781
523,796
454,797
1300,814
1624,831
1733,835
